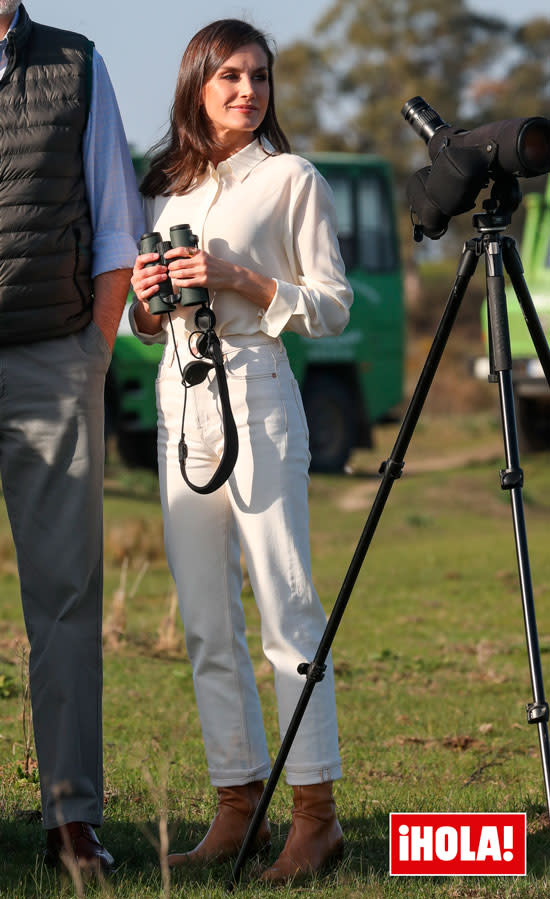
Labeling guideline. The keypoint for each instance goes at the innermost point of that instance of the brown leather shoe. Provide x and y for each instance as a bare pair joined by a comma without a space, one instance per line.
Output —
315,840
77,842
236,807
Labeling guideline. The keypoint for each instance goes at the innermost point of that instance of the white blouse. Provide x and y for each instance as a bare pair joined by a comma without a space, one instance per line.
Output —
274,214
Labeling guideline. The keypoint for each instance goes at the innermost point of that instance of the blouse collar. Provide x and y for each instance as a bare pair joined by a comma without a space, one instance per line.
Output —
242,163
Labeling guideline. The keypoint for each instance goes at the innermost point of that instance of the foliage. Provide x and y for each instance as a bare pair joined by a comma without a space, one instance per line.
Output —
300,70
523,89
8,686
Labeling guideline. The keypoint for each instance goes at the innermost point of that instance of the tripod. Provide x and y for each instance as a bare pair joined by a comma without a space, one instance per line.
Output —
500,254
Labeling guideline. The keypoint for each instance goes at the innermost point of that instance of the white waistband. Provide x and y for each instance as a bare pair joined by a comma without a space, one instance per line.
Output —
238,341
228,345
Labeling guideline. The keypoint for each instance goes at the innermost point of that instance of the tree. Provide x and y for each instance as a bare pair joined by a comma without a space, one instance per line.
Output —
368,57
301,73
522,86
387,51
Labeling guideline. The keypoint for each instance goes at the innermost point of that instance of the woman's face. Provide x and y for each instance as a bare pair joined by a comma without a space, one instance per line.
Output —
235,98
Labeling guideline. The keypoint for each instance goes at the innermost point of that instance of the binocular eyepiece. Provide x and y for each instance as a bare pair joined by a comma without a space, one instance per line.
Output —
167,300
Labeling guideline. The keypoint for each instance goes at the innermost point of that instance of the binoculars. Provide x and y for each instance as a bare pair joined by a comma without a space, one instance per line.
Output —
167,300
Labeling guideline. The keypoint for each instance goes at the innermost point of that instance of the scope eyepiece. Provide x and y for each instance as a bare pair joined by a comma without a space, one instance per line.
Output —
424,120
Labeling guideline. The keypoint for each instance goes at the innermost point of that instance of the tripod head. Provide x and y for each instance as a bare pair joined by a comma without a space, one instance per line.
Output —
505,198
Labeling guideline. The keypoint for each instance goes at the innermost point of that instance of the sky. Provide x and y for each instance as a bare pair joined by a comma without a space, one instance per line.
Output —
143,51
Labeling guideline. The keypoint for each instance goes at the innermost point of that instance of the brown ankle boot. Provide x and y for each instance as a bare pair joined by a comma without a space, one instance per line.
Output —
315,838
236,806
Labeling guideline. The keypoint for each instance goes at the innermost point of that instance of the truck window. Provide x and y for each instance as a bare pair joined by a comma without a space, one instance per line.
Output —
375,230
343,200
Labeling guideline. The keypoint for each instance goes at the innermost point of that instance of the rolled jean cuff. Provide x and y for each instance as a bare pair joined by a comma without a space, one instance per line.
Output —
299,776
240,777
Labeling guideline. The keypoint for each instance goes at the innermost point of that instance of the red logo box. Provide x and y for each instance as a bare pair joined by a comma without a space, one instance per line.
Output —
458,844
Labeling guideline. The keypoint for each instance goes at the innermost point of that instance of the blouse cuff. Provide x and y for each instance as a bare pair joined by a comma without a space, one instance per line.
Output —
282,307
147,339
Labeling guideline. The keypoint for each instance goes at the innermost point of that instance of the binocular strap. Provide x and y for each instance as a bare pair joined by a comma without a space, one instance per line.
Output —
194,373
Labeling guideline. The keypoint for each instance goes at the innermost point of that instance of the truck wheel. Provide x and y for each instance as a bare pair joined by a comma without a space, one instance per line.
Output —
331,415
533,423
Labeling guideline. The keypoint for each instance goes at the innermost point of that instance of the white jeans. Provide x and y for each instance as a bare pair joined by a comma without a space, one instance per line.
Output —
262,509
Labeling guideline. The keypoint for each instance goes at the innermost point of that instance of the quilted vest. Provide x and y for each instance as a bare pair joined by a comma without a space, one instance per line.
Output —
45,230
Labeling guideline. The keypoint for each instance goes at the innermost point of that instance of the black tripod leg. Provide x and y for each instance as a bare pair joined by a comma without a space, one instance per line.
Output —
390,470
512,479
514,267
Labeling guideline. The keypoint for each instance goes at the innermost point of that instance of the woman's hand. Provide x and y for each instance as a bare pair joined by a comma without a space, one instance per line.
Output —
146,278
190,267
145,281
197,268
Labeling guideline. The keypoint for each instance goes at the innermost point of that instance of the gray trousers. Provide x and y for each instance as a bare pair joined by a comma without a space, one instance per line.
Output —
51,465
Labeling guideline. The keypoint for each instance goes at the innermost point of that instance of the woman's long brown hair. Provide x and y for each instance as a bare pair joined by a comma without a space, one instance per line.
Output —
182,155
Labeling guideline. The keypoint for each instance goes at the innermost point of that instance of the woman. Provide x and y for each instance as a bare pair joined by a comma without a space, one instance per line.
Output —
270,260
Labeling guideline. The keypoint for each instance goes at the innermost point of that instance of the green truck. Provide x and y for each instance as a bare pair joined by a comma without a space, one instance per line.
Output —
348,383
531,391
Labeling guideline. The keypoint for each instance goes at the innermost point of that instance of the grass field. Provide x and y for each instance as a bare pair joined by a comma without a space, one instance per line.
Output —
431,669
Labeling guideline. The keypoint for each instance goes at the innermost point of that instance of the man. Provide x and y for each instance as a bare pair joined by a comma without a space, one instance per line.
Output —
70,217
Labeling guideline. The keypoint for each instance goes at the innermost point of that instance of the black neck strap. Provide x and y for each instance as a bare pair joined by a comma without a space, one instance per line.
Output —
230,437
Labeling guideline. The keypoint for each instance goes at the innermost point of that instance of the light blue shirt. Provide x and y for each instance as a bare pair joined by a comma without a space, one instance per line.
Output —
113,197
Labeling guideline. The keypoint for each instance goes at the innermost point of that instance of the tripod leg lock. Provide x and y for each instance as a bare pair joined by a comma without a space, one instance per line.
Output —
394,469
536,712
312,671
510,478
